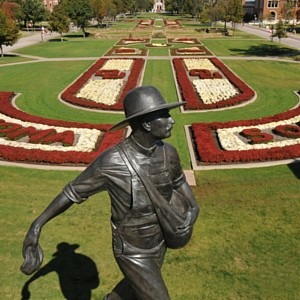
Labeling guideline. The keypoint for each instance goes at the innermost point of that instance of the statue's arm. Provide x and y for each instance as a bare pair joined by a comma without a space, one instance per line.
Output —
32,252
186,191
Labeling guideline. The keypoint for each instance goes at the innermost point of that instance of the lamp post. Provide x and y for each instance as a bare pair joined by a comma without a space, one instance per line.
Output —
42,34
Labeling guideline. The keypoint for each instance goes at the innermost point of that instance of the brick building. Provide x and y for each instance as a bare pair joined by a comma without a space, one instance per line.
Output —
273,10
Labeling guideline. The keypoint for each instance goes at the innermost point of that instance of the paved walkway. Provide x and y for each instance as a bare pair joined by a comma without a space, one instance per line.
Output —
31,39
293,40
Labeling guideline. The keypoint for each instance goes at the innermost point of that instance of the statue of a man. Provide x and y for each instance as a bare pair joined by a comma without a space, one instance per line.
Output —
138,241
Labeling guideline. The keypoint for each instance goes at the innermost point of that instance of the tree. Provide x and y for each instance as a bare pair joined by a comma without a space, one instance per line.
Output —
80,12
233,11
192,7
119,6
287,10
59,21
10,9
280,31
9,31
103,8
32,10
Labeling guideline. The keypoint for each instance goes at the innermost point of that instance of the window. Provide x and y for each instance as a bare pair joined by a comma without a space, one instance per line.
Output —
273,3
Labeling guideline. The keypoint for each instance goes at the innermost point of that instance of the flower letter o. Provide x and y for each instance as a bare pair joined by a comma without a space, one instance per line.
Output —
289,131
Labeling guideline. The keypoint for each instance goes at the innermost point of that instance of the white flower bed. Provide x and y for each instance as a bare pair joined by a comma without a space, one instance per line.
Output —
86,138
118,64
132,42
148,23
126,48
230,138
105,91
184,41
159,45
214,90
199,63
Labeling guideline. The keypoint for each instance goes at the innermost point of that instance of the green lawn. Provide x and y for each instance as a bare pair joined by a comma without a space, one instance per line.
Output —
71,47
246,241
249,47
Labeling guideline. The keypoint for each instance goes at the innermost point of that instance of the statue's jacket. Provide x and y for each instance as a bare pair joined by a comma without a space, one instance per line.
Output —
135,227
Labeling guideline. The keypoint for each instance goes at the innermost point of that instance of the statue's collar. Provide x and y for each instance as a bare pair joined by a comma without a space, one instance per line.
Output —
144,150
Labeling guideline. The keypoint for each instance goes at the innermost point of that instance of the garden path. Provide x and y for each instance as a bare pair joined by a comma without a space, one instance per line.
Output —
291,40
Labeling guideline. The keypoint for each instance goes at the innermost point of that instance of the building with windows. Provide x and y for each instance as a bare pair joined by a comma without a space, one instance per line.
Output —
273,10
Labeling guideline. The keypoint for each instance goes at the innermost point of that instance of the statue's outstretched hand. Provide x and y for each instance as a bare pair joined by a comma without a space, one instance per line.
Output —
32,253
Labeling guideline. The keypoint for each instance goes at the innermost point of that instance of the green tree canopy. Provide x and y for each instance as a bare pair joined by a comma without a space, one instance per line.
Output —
9,31
59,21
280,31
32,10
79,12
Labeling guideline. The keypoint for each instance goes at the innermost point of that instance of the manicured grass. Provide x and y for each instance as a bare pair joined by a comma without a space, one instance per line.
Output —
244,245
249,47
10,59
246,241
71,47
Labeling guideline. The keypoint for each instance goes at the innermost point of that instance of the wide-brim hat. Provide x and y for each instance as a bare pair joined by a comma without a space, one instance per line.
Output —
141,101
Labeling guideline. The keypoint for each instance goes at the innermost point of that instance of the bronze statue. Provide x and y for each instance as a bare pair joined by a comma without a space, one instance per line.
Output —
152,205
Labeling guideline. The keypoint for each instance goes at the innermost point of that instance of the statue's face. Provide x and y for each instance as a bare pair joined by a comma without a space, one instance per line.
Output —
161,124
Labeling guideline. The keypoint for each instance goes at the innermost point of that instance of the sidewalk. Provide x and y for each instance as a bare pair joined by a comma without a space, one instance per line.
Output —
30,39
291,41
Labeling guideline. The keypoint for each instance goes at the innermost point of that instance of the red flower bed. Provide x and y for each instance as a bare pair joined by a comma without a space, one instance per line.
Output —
172,23
186,51
256,136
19,154
205,74
110,74
115,51
289,131
208,151
124,51
69,95
189,94
145,24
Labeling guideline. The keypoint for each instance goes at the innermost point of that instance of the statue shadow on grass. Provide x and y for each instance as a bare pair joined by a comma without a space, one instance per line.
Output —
77,273
295,168
264,50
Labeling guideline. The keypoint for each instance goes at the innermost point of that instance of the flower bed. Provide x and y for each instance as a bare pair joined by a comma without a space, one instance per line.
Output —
158,45
199,50
247,141
32,139
129,41
172,23
145,24
184,40
120,51
210,96
114,96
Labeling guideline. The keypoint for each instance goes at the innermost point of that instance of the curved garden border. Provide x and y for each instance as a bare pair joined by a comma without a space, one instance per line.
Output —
205,144
16,131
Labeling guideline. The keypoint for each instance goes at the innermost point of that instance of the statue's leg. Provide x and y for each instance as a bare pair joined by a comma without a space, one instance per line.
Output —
144,277
122,291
